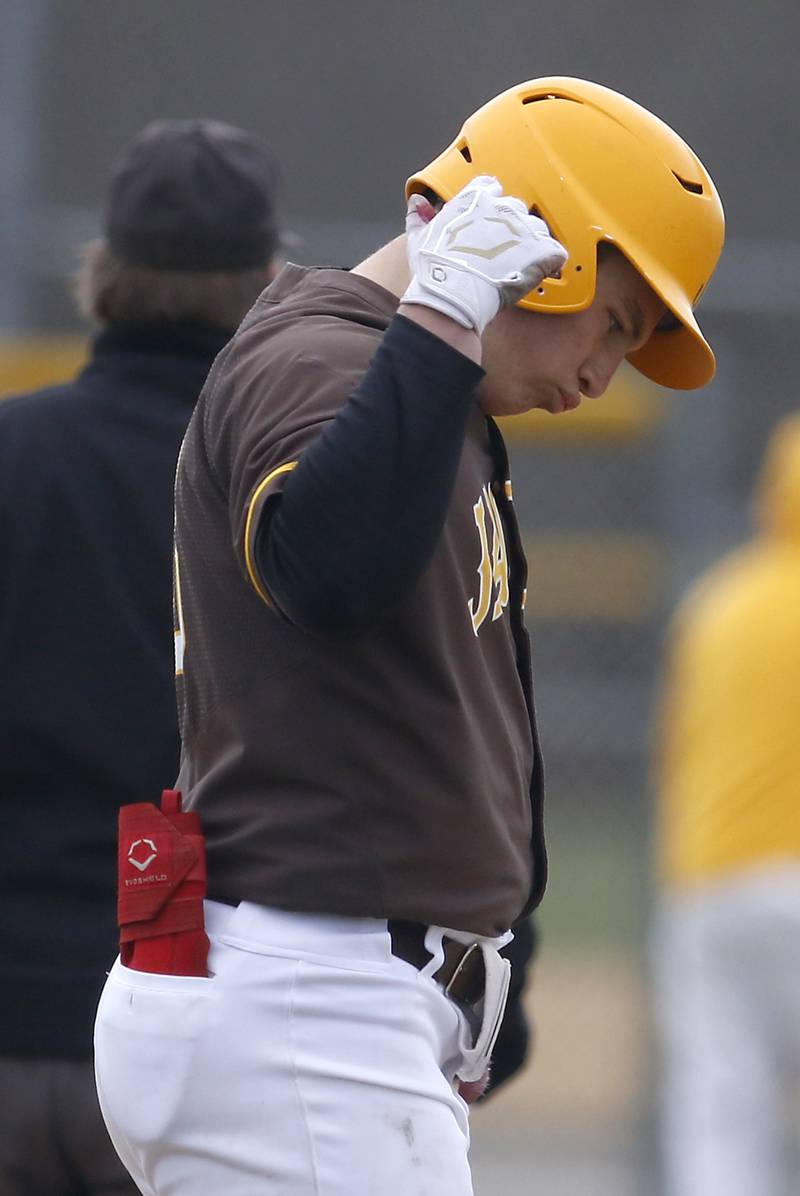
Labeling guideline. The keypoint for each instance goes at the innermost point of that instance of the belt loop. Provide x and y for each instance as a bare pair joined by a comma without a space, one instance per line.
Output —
435,946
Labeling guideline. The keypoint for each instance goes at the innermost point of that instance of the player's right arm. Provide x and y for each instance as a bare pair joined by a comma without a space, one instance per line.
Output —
357,519
360,513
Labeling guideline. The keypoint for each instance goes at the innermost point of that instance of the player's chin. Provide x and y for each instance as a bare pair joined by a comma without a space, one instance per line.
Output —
551,405
510,405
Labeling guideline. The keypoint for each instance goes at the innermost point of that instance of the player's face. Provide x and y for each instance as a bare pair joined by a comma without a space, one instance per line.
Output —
535,359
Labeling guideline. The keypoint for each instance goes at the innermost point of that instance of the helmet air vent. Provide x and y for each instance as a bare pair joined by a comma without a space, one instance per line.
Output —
549,95
688,185
464,151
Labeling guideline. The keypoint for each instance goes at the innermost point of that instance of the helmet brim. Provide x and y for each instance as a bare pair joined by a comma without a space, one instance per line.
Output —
679,358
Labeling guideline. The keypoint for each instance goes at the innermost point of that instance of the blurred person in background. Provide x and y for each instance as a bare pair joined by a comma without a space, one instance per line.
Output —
87,704
727,946
354,675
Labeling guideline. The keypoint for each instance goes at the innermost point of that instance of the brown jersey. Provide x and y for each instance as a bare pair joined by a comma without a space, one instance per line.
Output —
394,775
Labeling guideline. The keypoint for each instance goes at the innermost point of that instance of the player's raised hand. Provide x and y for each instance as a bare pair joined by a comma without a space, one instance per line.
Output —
480,252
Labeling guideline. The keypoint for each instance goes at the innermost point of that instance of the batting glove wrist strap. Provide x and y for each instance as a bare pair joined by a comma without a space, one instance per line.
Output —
453,289
482,251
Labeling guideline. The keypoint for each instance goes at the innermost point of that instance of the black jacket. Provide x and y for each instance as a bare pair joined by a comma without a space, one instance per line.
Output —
87,710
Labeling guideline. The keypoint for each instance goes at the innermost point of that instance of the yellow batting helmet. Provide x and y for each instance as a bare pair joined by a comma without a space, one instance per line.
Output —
599,167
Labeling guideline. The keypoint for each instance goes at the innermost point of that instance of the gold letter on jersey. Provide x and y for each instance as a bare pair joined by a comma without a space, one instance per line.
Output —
493,567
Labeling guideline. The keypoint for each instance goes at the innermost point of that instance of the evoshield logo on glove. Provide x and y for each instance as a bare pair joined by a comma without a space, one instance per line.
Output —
494,250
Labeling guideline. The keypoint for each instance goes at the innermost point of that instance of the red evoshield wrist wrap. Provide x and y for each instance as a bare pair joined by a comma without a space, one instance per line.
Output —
162,883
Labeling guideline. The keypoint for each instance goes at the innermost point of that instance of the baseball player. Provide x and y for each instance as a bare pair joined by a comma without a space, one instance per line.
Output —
354,676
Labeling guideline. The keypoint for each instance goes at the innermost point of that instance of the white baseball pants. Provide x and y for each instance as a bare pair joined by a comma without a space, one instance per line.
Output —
312,1062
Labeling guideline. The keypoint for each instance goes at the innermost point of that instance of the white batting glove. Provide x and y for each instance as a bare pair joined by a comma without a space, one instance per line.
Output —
480,252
